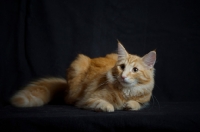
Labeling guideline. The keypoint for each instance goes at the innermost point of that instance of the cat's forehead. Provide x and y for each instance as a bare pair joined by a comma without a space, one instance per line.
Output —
134,60
131,60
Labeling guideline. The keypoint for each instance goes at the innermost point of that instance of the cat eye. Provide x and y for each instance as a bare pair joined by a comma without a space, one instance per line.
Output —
122,66
135,69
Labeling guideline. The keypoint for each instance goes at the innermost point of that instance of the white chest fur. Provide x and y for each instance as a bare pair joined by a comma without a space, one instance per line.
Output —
137,90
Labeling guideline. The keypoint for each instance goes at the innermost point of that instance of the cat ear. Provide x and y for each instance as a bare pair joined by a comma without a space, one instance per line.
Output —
122,53
149,59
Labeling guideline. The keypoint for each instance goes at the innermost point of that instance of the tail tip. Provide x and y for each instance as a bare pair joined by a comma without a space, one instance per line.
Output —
19,101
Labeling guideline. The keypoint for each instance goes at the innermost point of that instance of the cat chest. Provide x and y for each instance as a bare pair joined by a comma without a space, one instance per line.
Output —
134,93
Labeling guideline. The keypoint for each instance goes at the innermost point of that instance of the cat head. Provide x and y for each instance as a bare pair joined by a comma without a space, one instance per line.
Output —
132,70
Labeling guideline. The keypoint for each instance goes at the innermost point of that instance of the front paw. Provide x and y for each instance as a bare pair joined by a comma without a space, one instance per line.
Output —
132,105
102,105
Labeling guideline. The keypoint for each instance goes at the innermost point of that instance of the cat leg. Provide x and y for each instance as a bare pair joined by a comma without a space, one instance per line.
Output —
102,105
97,105
132,105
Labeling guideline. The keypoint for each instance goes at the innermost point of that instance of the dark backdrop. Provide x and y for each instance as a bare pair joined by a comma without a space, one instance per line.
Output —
40,38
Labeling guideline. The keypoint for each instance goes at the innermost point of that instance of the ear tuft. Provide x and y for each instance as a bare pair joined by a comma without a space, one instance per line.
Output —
150,59
122,53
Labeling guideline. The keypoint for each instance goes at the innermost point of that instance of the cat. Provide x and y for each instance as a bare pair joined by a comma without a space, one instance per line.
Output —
120,81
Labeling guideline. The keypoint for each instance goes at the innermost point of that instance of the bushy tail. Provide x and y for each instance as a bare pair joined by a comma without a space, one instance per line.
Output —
39,93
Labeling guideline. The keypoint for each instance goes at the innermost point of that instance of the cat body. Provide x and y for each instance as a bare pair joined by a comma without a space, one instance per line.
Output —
114,82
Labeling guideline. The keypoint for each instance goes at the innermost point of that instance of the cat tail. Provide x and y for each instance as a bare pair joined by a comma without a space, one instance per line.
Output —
39,92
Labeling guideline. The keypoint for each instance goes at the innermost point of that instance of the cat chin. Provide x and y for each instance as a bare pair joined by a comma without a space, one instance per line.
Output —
127,84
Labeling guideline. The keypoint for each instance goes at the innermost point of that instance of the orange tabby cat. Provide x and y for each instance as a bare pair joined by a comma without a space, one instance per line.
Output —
114,82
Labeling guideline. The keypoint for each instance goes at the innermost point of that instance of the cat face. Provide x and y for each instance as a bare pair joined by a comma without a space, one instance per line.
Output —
133,70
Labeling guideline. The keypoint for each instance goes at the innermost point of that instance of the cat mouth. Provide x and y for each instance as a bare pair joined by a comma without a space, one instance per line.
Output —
126,83
123,81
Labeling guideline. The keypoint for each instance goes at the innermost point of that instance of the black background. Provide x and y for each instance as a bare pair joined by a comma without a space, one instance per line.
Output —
40,38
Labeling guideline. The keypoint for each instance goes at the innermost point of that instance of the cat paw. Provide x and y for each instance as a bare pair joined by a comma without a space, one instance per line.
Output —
132,105
104,106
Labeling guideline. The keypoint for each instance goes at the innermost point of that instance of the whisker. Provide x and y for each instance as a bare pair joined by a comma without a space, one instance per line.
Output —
157,85
152,99
106,82
156,101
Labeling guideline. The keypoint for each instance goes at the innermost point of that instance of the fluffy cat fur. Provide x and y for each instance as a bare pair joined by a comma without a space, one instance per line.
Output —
114,82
